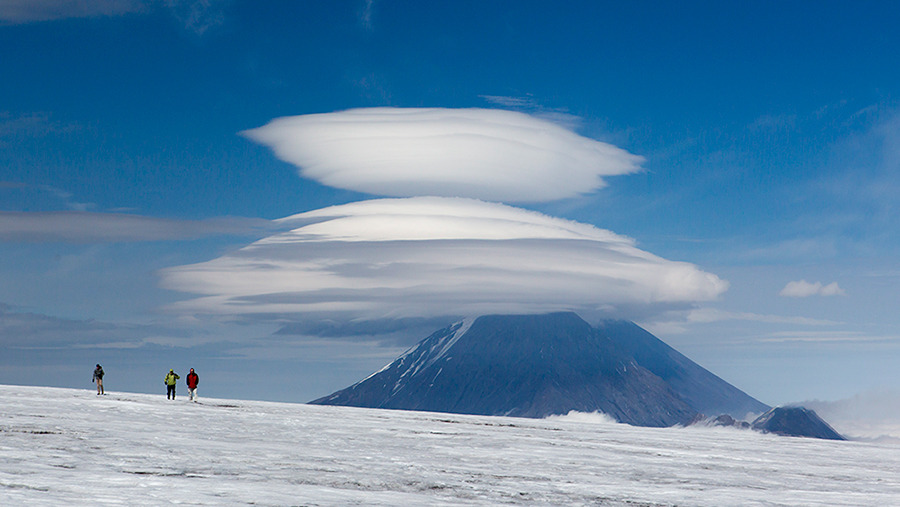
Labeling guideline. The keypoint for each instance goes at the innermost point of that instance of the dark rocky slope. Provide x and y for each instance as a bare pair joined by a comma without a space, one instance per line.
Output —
795,422
539,365
701,389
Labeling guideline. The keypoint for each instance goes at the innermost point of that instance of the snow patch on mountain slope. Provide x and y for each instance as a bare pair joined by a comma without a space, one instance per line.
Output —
437,350
444,345
457,330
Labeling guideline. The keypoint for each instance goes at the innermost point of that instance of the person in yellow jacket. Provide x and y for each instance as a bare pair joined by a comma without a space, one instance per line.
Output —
171,378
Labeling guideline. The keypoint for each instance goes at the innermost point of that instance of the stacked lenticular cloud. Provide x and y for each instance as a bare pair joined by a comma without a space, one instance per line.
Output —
479,153
440,249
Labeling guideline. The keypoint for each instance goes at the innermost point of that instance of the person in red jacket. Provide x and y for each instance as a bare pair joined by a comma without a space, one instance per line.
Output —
192,380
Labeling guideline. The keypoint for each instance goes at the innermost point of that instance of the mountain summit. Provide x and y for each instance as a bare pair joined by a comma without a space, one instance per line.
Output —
540,365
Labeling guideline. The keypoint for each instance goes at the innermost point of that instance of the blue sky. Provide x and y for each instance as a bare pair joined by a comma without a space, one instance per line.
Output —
767,137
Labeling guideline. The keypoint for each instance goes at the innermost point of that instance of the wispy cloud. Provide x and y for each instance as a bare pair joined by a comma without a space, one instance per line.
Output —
679,321
824,337
431,256
317,350
478,153
804,289
867,415
36,193
529,105
27,330
87,227
511,102
773,123
29,11
196,16
855,197
36,124
709,315
794,249
366,13
30,330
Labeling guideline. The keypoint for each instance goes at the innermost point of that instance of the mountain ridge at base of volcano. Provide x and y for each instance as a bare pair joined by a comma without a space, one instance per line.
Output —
541,365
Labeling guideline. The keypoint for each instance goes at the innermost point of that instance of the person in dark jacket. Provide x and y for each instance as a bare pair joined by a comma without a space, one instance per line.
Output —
171,379
192,380
98,379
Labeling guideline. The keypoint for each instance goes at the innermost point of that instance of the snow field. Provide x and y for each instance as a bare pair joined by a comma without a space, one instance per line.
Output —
64,446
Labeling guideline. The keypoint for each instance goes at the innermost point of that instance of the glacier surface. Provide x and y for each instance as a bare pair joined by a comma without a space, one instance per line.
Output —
72,447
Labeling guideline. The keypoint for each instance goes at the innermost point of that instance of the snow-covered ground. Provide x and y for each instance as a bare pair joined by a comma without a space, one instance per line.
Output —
71,447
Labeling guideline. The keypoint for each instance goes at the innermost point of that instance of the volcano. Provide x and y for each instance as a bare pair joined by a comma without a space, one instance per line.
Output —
541,365
795,422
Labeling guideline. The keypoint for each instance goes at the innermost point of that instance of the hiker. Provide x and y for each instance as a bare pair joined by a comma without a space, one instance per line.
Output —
98,379
192,380
171,378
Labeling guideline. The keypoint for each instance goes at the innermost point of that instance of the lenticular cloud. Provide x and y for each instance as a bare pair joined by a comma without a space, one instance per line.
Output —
478,153
433,256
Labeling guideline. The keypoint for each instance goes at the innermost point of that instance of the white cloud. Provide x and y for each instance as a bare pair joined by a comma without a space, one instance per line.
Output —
832,289
479,153
433,256
803,289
